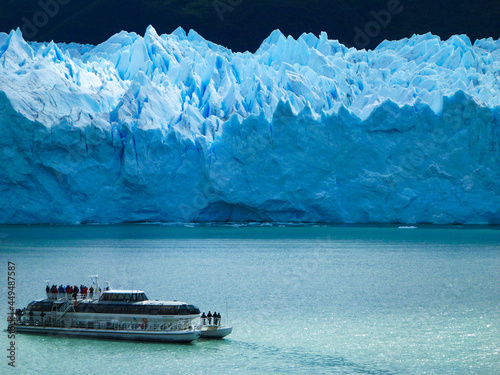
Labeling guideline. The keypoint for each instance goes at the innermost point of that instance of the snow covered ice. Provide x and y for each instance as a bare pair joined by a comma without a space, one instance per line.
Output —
174,128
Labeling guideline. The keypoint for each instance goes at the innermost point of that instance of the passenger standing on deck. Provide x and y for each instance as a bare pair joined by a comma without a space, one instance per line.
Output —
215,317
209,316
69,291
91,291
47,290
203,319
75,292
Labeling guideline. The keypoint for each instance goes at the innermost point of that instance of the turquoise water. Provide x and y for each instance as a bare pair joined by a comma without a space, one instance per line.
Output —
302,300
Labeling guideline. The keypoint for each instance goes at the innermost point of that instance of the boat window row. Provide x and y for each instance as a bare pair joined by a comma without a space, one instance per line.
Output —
138,310
40,306
121,309
128,297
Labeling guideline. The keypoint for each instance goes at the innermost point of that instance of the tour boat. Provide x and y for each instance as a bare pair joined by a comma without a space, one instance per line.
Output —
113,314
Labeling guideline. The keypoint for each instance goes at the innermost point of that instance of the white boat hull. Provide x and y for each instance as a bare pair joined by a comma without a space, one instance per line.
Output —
171,336
215,332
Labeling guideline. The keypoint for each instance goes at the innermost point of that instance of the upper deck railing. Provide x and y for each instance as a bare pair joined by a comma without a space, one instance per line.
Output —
68,296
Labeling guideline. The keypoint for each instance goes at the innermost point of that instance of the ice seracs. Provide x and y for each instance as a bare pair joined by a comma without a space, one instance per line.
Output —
176,128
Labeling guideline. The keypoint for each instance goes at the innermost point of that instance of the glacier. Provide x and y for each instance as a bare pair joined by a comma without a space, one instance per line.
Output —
174,128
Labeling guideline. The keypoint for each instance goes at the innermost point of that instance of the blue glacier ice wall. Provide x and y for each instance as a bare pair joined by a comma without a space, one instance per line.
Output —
174,128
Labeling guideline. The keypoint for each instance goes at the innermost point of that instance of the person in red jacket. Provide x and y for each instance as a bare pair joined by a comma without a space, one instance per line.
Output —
69,291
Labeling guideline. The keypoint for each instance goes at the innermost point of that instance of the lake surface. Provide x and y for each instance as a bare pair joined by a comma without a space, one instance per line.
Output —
302,299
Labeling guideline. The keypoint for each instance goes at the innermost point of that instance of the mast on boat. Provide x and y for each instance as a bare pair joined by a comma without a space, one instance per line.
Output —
97,291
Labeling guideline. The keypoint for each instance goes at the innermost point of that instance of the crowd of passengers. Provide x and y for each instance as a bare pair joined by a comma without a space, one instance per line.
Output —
69,291
207,319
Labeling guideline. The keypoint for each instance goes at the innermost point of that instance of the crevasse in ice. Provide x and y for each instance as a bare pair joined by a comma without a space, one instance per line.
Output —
174,128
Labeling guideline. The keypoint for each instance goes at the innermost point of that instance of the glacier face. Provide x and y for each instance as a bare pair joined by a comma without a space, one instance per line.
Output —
173,128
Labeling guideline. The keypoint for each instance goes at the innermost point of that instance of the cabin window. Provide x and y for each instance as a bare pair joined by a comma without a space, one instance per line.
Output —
42,306
96,309
135,310
167,310
183,310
